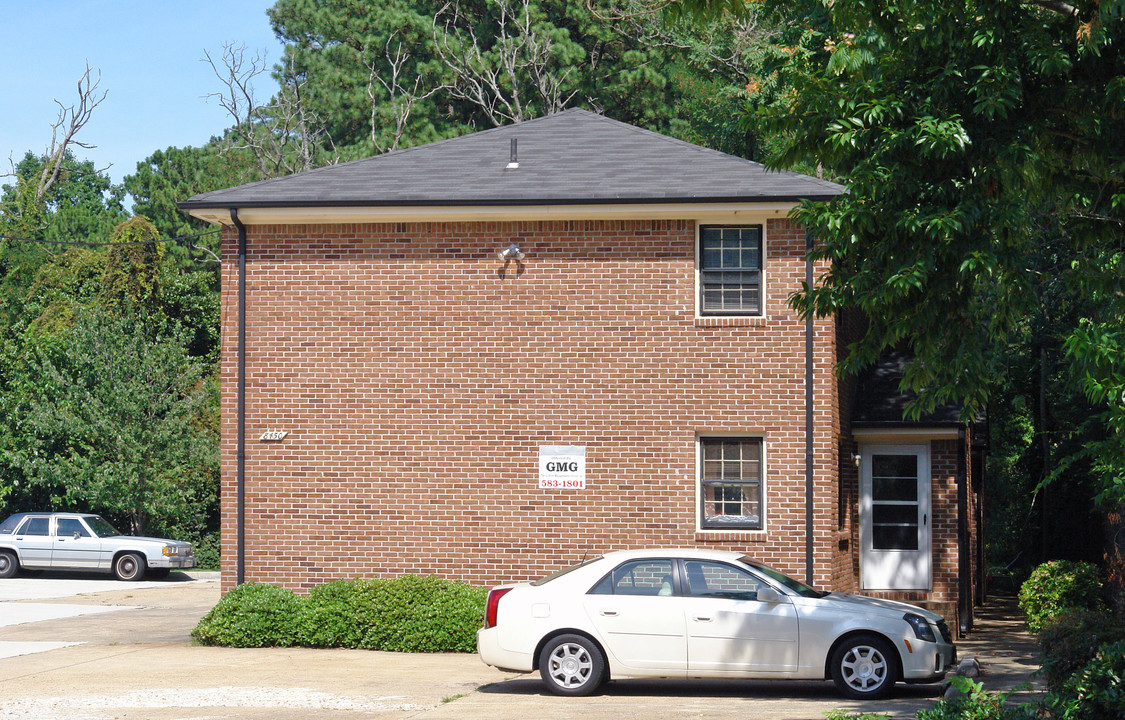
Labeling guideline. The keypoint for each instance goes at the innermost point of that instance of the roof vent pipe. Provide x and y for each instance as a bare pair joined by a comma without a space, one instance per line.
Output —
513,163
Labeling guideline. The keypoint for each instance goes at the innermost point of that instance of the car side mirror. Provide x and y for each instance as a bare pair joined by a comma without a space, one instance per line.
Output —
768,594
77,534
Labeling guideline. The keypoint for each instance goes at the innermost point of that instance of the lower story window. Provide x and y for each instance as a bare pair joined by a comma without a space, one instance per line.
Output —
731,483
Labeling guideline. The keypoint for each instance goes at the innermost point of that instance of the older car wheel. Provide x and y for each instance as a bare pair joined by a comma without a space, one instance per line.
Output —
865,667
9,566
129,566
572,665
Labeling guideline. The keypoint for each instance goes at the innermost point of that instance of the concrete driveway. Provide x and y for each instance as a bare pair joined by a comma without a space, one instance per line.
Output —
123,651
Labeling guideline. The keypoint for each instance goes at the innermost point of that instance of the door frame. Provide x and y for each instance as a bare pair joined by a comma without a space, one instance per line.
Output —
925,528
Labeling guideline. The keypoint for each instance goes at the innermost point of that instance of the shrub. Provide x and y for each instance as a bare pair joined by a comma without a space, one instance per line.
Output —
207,551
1057,586
410,614
1071,640
1097,691
424,614
338,613
251,615
977,704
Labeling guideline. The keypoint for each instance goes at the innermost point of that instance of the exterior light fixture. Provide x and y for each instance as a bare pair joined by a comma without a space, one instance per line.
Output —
508,255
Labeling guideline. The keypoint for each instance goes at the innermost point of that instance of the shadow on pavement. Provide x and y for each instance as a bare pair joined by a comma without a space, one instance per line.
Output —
763,689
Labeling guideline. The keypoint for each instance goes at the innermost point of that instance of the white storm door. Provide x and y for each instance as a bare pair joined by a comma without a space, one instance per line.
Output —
894,517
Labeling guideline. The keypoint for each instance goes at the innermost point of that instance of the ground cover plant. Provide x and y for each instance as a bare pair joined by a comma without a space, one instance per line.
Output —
406,614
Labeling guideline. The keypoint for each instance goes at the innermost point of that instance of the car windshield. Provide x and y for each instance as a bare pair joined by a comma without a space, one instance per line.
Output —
560,573
790,584
101,528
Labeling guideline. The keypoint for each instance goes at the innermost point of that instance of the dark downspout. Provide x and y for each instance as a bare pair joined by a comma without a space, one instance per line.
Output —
808,420
241,552
964,575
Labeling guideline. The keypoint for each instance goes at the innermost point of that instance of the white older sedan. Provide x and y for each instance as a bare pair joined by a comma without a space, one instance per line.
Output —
78,541
705,614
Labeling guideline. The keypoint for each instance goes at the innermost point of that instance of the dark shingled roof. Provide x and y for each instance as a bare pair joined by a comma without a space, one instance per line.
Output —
879,402
571,157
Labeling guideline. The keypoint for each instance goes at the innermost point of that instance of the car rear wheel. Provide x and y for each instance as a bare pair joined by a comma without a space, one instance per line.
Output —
572,665
129,566
9,566
865,668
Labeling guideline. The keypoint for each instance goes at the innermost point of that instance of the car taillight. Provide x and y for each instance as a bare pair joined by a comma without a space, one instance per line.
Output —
492,605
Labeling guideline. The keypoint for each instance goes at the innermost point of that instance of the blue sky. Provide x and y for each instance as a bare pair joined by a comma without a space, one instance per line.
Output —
149,54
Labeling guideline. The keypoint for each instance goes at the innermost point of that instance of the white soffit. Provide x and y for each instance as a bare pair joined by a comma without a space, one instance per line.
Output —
700,212
903,435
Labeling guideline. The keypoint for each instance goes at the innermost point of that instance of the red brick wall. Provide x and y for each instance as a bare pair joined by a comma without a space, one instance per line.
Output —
417,385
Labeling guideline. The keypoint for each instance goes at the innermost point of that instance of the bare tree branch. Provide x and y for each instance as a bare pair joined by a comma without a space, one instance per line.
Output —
71,119
402,98
282,136
494,78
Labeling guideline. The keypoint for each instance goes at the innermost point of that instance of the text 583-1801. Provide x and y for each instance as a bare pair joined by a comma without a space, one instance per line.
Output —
552,483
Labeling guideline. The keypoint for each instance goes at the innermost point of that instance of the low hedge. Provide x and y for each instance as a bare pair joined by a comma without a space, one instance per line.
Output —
1058,586
407,614
1072,639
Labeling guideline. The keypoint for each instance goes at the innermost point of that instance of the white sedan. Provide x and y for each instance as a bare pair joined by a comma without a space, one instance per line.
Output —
79,541
705,614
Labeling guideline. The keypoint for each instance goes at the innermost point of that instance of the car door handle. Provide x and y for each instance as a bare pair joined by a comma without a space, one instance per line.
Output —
609,613
700,618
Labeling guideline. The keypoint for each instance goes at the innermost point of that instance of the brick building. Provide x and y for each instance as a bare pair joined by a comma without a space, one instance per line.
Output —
487,357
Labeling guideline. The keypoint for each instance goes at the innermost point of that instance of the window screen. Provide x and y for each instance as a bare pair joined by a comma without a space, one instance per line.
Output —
730,269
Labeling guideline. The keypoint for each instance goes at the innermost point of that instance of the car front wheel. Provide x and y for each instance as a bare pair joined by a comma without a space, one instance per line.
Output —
129,566
572,665
865,668
9,566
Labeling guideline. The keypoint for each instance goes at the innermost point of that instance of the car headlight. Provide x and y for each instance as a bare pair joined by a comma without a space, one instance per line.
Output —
921,627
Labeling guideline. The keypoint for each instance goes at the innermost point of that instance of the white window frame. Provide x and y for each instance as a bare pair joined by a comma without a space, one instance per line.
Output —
764,483
763,282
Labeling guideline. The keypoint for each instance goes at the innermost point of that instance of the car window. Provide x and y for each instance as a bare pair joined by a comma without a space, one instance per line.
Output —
101,527
68,527
9,526
37,526
789,583
719,580
564,571
639,577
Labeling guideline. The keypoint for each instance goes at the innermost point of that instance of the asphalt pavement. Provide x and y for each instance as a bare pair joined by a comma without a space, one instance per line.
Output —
74,648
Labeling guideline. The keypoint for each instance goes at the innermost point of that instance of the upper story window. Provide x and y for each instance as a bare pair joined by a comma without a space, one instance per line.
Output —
730,269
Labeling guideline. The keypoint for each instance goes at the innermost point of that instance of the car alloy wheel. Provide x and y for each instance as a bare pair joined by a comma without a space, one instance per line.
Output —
572,665
864,667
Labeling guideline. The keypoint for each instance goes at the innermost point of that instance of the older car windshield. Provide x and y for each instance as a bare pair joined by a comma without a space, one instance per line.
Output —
560,573
101,528
790,584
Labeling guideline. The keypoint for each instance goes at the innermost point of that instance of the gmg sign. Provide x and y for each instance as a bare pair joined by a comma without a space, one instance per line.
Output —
562,467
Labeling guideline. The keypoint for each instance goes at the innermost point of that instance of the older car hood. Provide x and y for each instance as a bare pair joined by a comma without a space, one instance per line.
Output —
891,607
136,538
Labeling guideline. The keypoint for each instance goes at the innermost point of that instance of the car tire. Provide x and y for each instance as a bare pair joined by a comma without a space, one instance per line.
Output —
865,667
9,565
129,566
572,665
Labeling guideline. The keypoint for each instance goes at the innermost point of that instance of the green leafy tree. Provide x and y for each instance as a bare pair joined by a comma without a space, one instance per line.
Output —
406,72
133,264
982,143
118,420
169,176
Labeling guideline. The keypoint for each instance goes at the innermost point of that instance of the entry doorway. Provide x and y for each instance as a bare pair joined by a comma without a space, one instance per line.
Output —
894,517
